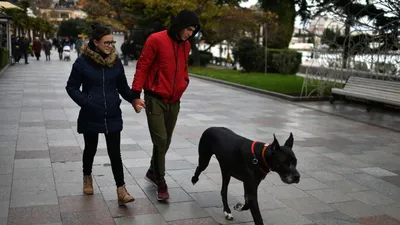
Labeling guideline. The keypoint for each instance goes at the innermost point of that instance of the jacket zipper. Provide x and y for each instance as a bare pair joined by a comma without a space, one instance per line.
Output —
176,70
105,102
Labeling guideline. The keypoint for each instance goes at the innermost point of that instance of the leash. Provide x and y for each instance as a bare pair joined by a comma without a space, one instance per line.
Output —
255,160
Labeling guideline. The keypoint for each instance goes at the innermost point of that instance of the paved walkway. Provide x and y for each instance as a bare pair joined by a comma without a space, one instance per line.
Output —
349,170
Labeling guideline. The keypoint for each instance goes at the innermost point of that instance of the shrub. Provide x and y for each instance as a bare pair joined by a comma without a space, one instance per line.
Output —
248,53
358,65
3,57
284,61
251,56
387,68
205,58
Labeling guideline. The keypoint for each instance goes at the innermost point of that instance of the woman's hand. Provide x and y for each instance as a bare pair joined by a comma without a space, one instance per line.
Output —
138,104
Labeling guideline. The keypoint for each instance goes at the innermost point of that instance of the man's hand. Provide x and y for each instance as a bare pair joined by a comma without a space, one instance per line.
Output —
138,104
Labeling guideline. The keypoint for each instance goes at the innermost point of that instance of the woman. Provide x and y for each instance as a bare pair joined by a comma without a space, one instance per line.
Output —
37,47
102,76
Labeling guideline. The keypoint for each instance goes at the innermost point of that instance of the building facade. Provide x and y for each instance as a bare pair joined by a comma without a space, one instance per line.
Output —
59,14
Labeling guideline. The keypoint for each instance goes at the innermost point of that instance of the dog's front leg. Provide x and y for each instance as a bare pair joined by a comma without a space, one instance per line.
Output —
242,207
224,193
251,189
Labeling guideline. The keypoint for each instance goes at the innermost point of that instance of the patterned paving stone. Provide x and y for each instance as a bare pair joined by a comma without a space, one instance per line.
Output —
332,218
31,163
33,198
308,205
372,198
148,219
378,172
284,216
392,179
34,215
181,210
140,206
356,209
102,217
330,195
286,192
31,154
4,208
199,221
379,220
211,199
82,203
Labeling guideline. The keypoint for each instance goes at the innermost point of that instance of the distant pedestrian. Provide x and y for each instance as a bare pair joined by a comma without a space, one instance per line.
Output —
37,47
47,49
60,49
78,45
125,49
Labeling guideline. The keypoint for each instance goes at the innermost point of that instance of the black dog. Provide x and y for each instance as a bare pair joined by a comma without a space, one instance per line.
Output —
248,161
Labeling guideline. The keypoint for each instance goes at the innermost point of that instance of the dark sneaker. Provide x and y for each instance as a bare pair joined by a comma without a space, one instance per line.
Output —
162,191
150,177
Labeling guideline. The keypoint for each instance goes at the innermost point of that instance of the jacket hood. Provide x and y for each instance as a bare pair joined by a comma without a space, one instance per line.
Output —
89,51
185,18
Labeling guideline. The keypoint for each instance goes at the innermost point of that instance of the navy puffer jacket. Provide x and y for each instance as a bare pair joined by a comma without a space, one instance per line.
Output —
102,79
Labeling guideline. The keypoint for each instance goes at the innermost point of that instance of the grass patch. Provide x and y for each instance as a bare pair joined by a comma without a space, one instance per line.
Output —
285,84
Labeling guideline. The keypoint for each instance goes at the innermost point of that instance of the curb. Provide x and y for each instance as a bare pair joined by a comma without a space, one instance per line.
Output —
260,91
4,69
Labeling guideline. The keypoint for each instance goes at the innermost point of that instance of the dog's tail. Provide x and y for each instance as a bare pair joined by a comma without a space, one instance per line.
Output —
205,153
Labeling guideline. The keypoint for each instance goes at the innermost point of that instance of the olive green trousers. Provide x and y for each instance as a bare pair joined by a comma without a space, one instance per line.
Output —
161,119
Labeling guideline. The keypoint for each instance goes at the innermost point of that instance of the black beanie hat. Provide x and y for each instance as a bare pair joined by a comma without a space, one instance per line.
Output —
185,18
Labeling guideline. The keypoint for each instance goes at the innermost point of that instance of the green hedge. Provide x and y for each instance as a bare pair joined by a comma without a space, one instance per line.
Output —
251,56
3,57
284,61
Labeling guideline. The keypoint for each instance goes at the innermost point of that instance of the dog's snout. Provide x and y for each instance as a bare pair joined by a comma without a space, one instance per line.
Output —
296,178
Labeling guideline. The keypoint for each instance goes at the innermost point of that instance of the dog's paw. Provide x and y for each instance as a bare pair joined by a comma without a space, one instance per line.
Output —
228,216
238,207
194,180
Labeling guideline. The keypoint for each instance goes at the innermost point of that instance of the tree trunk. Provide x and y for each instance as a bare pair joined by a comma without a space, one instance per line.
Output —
195,52
346,45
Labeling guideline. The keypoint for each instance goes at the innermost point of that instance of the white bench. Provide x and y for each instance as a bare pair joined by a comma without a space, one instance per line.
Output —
372,90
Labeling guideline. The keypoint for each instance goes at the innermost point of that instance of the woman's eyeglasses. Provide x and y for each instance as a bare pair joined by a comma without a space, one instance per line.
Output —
109,43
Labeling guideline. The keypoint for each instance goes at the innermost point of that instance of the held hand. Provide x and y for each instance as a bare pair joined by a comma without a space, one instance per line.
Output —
138,104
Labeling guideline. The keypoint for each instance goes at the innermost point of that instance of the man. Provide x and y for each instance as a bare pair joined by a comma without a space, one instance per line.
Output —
162,71
125,51
24,46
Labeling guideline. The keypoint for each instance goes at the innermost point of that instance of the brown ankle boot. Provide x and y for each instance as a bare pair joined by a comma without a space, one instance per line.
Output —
124,196
87,184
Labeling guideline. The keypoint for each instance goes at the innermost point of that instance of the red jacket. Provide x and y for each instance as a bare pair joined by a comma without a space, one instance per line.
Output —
162,69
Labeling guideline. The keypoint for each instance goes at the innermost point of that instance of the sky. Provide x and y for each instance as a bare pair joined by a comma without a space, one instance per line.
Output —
248,3
253,2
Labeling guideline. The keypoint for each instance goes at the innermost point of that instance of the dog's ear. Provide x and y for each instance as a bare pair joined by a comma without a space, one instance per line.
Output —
289,141
275,144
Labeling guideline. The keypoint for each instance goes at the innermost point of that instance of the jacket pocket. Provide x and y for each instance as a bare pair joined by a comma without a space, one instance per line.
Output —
155,81
154,106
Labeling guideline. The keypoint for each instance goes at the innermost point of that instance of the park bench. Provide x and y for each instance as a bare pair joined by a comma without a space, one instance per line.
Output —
373,91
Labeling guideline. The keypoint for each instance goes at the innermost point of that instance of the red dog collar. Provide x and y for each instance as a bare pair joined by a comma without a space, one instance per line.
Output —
255,160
